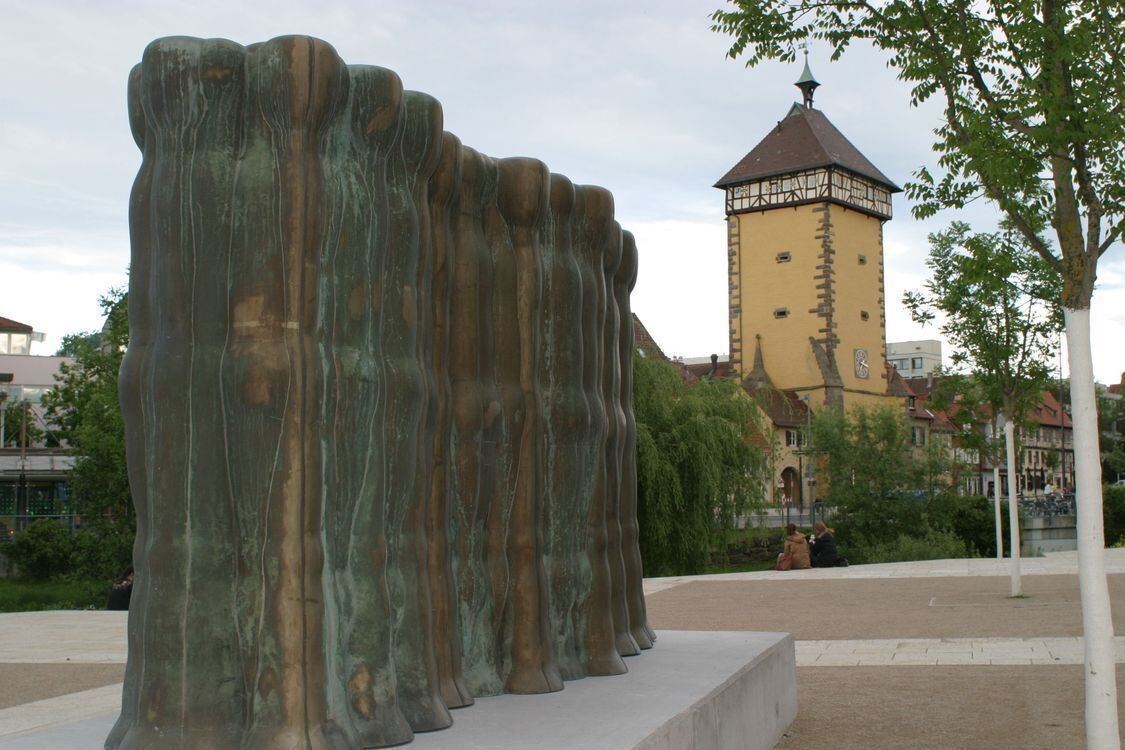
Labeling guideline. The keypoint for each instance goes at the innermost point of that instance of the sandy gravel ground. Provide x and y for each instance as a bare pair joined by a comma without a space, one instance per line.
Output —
24,683
923,707
881,608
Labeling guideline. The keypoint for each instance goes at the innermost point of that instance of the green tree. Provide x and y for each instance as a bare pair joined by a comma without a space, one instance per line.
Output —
15,413
1033,121
85,411
864,458
1111,424
998,305
701,463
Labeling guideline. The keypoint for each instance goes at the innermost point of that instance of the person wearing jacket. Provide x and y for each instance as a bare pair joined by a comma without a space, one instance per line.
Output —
824,553
796,548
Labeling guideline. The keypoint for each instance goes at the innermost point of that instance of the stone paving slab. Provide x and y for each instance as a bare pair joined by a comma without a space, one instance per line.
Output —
58,636
1054,563
944,651
46,714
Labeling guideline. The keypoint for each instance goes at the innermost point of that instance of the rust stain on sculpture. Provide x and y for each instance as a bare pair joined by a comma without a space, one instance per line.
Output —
378,411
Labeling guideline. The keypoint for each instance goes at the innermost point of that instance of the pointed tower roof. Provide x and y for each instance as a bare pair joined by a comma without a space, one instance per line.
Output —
806,83
757,377
806,74
805,139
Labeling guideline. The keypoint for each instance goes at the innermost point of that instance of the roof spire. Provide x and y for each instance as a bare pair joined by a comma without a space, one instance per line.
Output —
806,83
757,377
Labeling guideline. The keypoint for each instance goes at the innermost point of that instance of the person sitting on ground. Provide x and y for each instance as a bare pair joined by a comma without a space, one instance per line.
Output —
796,551
824,547
122,591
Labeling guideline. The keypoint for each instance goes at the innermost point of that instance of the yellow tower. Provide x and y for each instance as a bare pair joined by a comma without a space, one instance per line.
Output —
805,212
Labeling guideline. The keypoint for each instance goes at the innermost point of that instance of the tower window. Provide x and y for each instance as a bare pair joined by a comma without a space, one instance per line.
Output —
863,260
781,312
784,257
863,315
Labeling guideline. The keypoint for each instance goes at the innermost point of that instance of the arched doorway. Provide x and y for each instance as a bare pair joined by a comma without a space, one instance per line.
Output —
791,487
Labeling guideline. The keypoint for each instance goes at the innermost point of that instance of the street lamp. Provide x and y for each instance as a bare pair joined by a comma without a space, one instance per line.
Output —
808,471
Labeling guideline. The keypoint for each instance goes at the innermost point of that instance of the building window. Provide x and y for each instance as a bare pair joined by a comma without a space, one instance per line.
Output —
863,260
863,315
15,343
784,257
781,312
919,436
793,439
915,363
911,402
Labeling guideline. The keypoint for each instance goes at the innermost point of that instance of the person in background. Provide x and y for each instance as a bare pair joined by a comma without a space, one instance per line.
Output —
824,553
796,551
122,591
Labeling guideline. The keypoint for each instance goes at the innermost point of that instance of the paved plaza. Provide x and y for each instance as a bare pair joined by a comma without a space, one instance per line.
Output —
921,655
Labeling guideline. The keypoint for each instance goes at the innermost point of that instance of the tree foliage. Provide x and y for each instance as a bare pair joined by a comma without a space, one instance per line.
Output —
890,500
85,410
15,413
865,459
41,551
1111,424
700,464
998,306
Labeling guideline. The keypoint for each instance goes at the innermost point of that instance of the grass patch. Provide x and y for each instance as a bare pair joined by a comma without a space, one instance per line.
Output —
33,596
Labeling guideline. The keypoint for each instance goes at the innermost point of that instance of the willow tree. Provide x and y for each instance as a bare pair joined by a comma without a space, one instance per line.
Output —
700,464
1033,121
999,306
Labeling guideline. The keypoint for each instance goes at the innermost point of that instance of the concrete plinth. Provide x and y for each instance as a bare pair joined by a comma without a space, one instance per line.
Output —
697,690
1042,535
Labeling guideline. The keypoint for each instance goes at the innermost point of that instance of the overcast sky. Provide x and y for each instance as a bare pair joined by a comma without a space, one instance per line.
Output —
635,96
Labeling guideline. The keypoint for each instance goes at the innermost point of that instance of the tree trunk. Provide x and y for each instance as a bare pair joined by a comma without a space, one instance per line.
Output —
1097,626
996,503
1013,504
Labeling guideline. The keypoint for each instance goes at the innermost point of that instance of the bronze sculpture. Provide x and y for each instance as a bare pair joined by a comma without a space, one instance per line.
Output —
377,411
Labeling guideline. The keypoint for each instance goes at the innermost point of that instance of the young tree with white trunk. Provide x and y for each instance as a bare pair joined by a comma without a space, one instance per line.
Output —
998,303
1033,121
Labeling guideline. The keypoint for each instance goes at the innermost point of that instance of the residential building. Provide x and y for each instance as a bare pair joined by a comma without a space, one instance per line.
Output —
1045,447
33,474
914,359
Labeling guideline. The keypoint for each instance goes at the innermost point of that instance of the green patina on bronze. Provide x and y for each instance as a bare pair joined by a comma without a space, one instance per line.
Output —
377,406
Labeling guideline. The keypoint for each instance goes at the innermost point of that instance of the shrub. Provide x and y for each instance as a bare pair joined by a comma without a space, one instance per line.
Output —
935,545
41,551
1113,513
973,519
100,554
46,550
747,546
